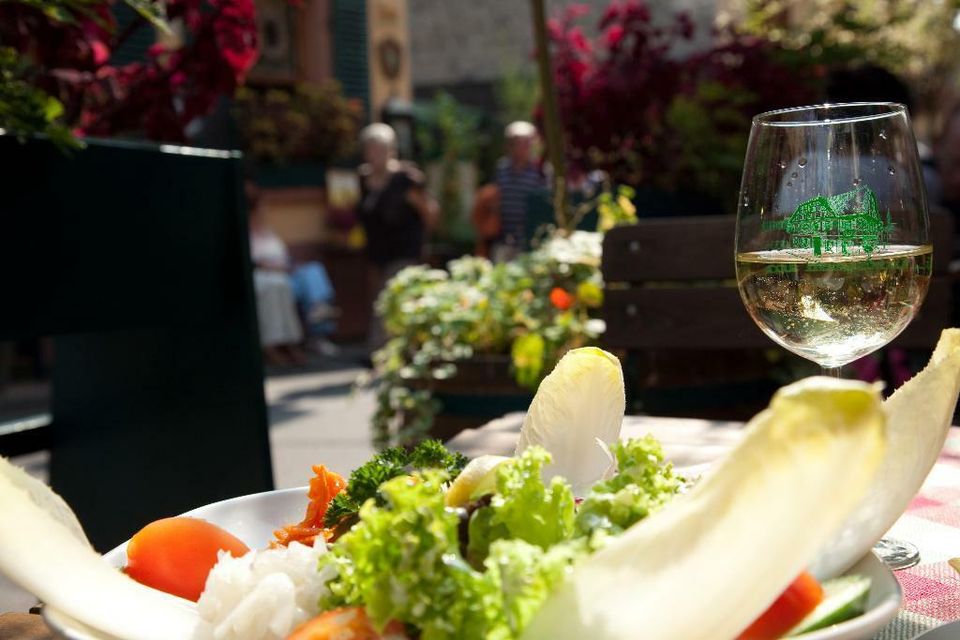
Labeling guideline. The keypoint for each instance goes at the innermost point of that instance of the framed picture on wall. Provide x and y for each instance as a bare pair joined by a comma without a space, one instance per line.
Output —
278,38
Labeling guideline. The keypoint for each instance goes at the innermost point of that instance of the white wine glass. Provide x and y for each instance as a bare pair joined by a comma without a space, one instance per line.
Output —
833,252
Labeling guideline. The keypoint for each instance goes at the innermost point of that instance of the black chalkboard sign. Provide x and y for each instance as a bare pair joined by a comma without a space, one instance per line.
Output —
135,259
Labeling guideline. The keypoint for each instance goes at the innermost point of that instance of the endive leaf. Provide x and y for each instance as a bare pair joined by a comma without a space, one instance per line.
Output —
581,401
41,553
919,415
712,560
49,501
477,478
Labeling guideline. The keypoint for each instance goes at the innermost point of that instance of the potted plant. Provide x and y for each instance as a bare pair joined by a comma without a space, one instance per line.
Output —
293,134
473,341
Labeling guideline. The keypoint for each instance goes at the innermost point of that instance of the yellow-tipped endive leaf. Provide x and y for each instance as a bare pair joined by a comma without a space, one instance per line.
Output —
40,551
715,558
581,401
476,479
919,415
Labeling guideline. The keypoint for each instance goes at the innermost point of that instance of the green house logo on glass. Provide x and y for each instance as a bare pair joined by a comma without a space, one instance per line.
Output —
837,224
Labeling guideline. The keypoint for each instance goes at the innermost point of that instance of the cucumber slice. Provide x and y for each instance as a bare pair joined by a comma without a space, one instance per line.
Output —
843,598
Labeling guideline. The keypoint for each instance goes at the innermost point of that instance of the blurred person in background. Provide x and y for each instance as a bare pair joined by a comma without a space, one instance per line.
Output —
395,211
517,178
315,298
280,330
486,218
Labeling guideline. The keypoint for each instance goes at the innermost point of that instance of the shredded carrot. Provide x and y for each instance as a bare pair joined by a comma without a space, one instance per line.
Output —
323,487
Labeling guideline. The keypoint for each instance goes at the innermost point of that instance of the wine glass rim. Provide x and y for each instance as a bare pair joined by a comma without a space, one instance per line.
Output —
882,110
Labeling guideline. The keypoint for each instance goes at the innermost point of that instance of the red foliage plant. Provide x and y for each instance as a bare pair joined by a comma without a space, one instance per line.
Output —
633,106
155,98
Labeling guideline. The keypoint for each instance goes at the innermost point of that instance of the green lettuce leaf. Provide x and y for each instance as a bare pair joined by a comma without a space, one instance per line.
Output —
402,561
643,483
521,576
523,507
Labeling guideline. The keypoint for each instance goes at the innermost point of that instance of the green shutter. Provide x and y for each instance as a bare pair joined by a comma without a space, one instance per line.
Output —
350,63
134,47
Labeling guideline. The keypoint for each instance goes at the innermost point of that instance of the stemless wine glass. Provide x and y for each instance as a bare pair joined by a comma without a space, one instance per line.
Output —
833,250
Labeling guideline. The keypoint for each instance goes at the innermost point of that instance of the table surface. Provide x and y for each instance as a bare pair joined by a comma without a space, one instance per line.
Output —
932,521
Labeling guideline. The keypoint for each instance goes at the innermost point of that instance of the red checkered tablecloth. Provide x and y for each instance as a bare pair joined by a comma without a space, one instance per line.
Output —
931,590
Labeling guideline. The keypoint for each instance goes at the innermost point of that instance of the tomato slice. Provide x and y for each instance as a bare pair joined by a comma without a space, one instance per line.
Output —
793,605
176,554
349,622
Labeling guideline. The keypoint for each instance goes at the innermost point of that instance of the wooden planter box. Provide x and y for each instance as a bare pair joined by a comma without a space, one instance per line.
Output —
292,175
482,389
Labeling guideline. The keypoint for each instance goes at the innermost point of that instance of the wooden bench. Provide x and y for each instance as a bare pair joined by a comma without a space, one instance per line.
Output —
673,306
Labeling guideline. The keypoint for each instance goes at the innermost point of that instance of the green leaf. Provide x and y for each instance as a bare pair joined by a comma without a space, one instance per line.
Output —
402,562
643,484
58,14
26,110
524,507
364,483
153,12
527,354
53,109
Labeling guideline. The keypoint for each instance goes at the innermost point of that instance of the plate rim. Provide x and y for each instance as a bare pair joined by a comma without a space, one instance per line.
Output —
120,549
874,619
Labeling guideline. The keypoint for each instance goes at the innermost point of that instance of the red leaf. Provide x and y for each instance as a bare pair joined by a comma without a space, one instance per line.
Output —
613,35
101,53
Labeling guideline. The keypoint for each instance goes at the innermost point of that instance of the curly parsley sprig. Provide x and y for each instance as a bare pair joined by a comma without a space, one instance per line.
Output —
366,479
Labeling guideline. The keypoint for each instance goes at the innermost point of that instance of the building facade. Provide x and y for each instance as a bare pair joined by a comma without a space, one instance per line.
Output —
465,46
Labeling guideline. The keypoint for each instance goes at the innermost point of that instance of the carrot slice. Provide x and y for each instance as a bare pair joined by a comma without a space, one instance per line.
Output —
324,486
349,622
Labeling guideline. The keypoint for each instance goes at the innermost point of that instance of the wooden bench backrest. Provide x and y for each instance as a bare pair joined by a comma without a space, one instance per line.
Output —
671,284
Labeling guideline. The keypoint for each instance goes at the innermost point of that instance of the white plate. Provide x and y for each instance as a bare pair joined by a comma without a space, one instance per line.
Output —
882,605
253,519
946,632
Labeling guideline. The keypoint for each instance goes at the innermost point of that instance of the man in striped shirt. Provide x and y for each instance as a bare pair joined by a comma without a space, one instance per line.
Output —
517,177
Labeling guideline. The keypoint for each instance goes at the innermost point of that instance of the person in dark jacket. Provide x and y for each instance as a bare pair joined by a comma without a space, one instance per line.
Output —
395,211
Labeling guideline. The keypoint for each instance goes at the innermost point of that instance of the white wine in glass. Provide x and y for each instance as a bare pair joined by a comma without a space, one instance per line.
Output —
837,309
833,250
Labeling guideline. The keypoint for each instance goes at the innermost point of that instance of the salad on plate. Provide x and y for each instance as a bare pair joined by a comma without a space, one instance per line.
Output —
578,535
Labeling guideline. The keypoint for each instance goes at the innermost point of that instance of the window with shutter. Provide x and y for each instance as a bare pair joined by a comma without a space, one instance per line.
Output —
350,61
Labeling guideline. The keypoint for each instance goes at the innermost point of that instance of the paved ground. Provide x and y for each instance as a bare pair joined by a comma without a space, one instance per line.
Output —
316,416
